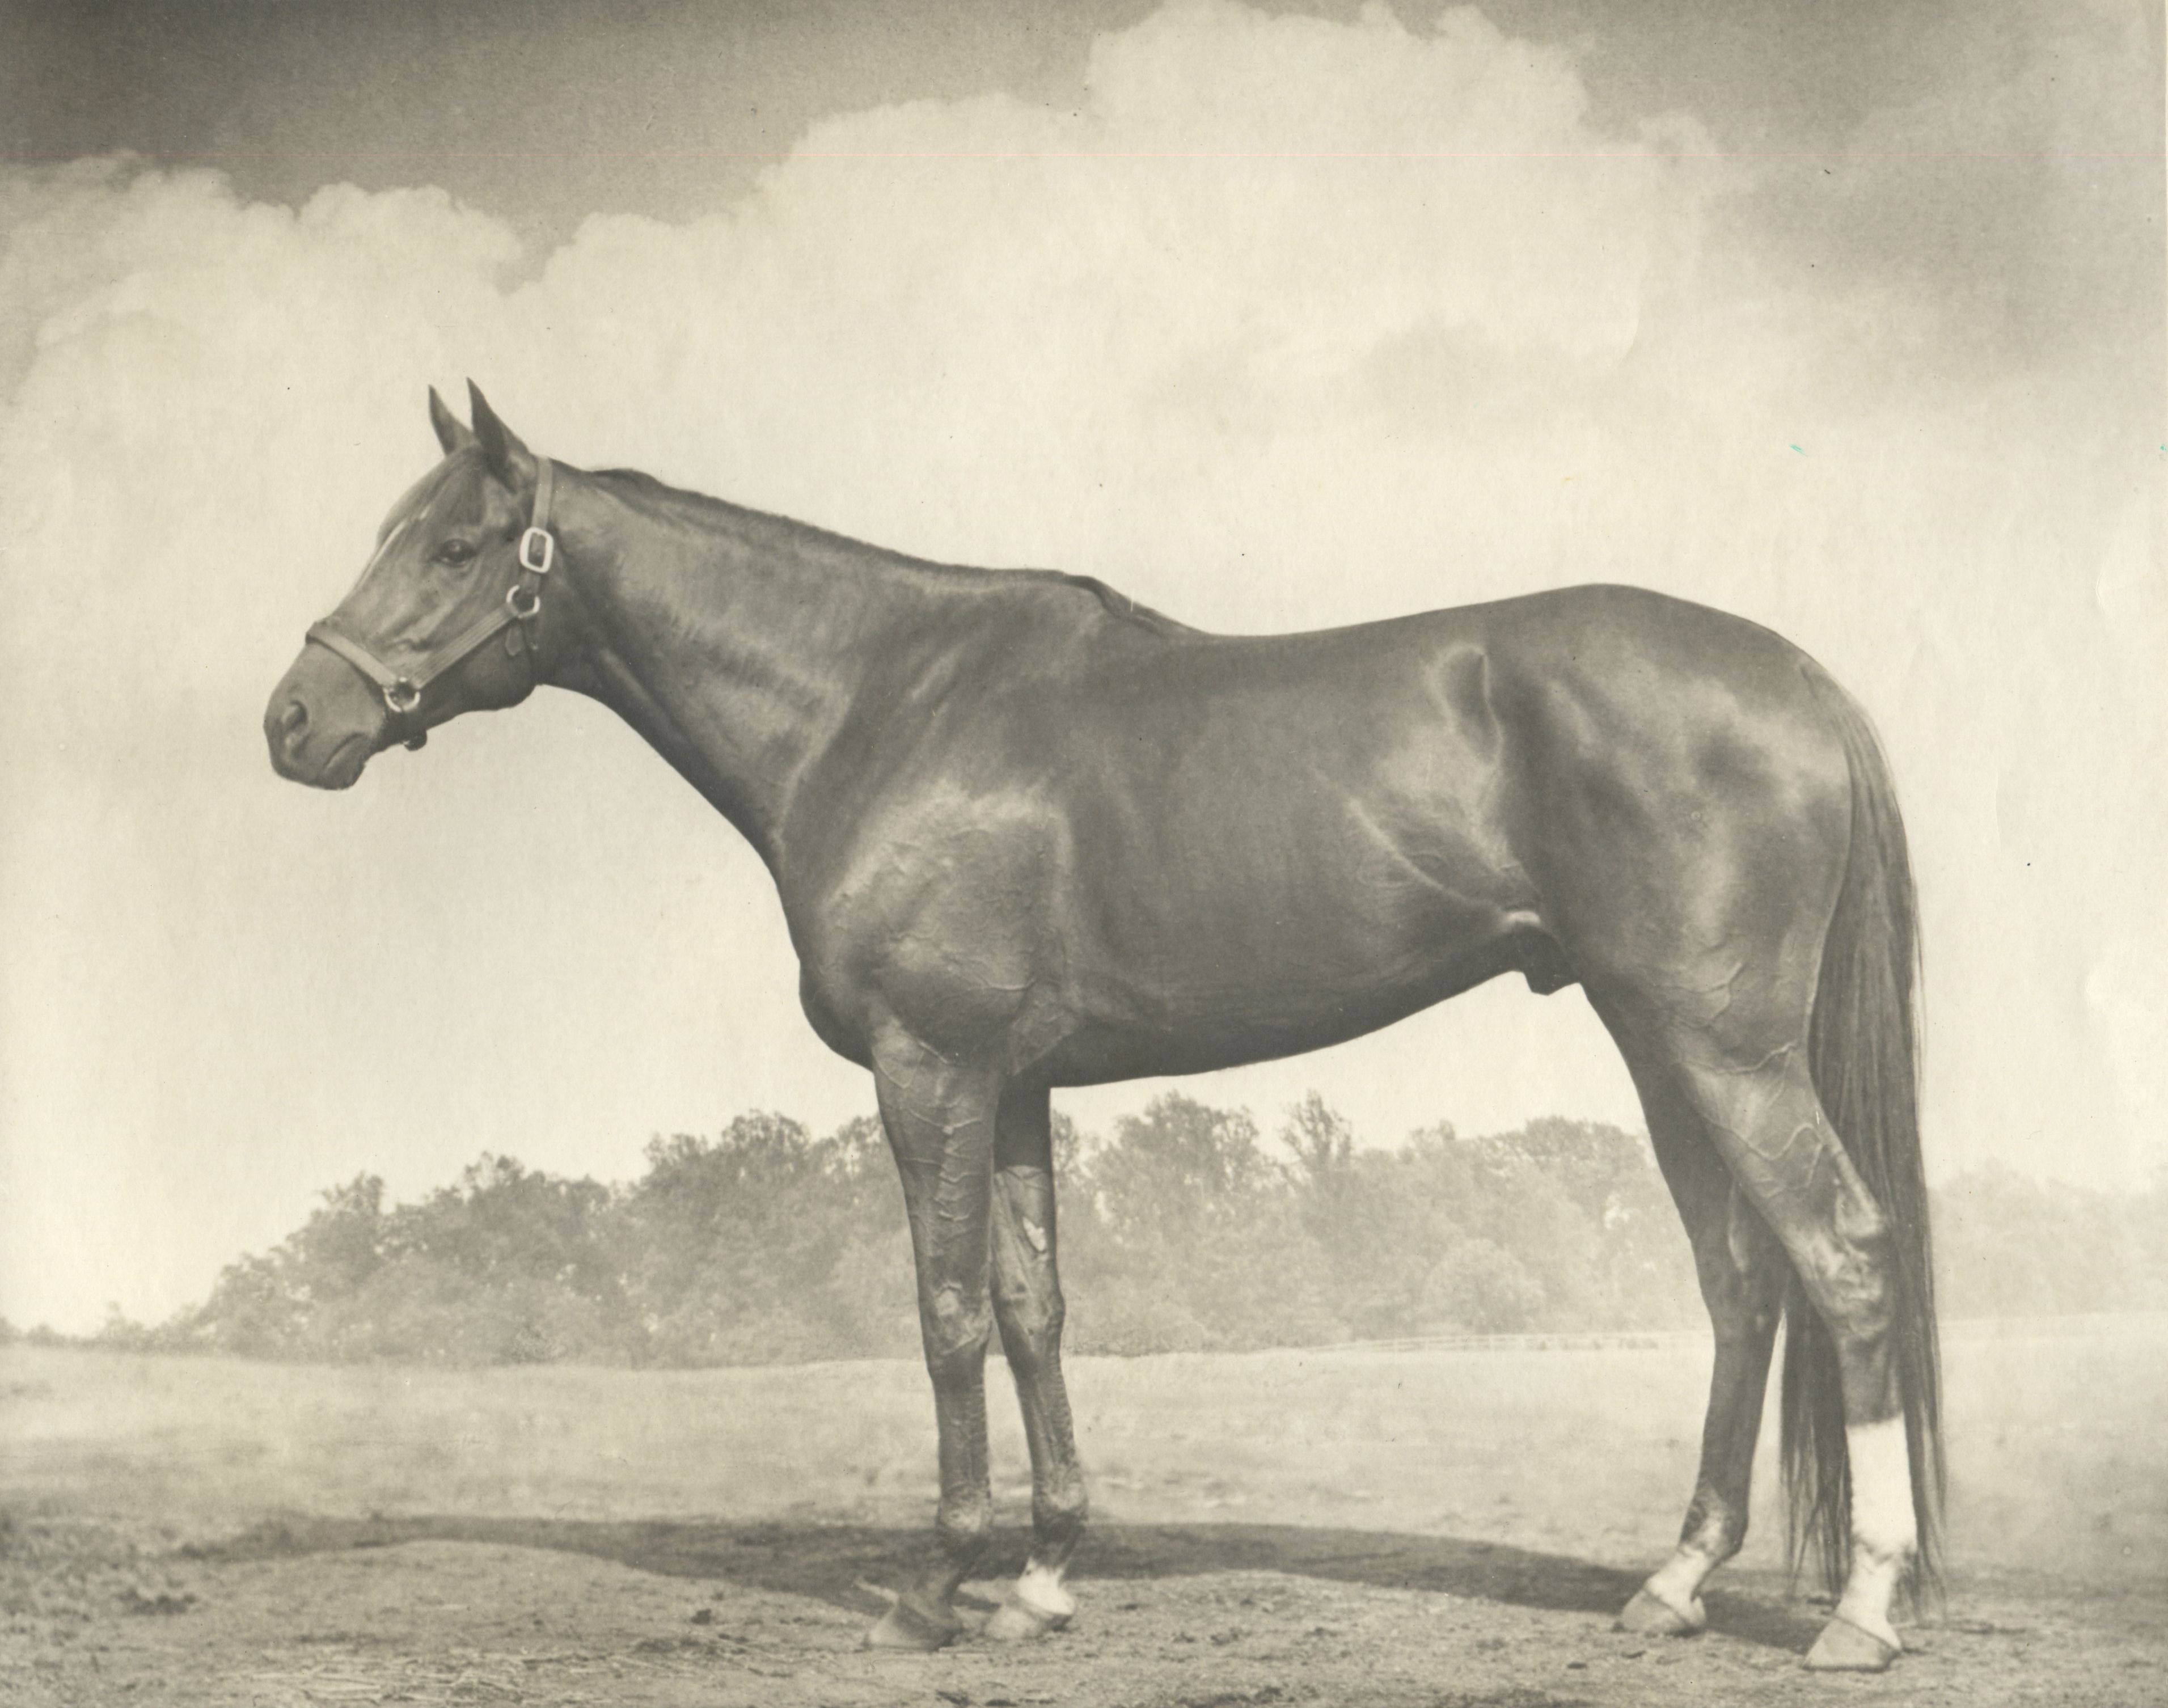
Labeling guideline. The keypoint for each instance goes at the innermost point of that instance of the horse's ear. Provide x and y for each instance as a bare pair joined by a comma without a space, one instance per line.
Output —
451,431
501,452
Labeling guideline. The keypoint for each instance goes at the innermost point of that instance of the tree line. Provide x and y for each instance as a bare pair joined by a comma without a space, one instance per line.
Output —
1184,1229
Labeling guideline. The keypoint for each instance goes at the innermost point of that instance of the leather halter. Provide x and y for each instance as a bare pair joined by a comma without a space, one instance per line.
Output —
402,690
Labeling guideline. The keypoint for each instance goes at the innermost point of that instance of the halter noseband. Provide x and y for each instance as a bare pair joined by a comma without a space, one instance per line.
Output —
523,603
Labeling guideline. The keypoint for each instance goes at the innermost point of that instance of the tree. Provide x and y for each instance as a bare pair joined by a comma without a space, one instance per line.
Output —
1197,1241
1376,1232
731,1246
268,1306
1181,1231
1479,1288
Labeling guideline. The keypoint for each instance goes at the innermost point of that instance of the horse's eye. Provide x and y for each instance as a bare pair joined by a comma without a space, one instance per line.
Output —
455,551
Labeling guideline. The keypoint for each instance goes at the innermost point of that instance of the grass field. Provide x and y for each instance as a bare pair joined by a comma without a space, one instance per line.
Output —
298,1524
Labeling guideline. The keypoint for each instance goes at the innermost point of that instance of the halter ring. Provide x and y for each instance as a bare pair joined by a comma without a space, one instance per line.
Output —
403,695
527,611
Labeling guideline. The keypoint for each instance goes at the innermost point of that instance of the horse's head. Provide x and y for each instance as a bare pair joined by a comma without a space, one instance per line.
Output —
443,619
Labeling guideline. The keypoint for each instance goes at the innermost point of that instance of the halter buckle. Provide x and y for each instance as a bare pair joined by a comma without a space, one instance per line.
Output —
537,558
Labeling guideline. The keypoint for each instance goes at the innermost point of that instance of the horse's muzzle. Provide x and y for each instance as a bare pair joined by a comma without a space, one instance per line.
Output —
323,722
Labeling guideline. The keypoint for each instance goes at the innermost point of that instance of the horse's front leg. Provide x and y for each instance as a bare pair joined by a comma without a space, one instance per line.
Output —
1027,1303
939,1117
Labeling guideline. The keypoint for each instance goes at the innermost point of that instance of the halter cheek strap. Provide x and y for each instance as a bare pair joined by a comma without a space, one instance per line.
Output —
402,690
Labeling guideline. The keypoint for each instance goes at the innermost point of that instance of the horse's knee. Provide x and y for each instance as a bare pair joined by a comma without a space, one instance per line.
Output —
955,1329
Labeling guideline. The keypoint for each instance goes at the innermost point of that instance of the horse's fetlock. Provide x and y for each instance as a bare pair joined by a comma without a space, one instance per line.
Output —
1714,1527
1061,1507
963,1523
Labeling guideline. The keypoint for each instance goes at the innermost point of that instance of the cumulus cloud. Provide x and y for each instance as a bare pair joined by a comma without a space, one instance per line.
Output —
1288,323
2007,206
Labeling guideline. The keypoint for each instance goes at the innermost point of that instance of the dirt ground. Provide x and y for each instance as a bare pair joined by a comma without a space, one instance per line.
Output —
1412,1528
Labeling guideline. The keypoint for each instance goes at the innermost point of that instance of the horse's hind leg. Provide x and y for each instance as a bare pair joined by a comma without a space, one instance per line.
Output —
1760,1110
1028,1305
1742,1270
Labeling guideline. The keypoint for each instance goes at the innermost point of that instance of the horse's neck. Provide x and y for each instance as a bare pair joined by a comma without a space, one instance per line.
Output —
735,644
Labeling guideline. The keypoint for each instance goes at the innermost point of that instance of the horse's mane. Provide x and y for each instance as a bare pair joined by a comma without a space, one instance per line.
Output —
1115,602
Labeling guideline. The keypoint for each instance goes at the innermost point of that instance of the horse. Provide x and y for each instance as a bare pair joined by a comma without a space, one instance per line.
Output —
1028,833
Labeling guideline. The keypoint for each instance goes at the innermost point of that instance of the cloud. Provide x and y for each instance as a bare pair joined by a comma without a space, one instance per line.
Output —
2001,209
1289,323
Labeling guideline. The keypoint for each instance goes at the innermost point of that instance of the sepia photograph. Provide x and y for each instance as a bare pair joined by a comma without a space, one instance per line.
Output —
1144,853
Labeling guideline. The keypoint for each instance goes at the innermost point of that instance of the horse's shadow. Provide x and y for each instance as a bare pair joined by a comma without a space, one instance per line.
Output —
833,1563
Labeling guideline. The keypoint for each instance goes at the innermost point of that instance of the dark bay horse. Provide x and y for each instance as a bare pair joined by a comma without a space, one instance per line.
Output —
1029,834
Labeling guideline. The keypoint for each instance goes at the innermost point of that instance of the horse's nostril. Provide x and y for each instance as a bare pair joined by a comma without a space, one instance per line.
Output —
296,719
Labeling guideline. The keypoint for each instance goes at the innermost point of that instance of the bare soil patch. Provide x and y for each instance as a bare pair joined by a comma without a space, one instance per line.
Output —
1402,1528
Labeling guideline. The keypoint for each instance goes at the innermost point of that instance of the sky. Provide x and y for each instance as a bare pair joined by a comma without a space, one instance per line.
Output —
1849,320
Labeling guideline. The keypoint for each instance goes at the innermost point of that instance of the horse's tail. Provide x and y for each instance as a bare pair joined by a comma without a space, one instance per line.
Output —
1863,1054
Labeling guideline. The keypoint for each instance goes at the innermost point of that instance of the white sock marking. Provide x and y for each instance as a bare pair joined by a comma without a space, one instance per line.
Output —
1040,1590
1882,1488
1883,1532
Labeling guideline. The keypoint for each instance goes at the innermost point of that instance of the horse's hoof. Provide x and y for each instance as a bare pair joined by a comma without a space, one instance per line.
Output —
904,1626
1645,1615
1017,1620
1844,1647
